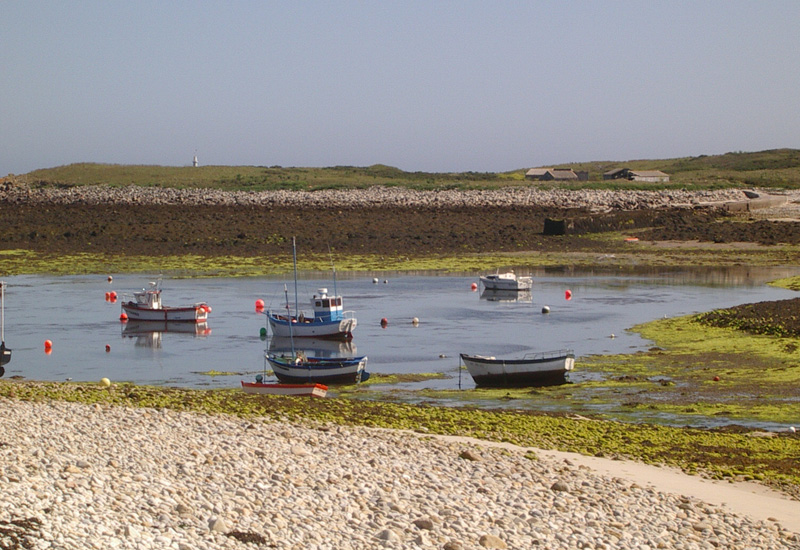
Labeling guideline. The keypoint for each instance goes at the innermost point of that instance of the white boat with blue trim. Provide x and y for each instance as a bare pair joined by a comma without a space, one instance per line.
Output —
298,368
329,319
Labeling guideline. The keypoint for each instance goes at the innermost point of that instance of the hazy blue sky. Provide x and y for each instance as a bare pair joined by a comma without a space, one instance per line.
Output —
421,85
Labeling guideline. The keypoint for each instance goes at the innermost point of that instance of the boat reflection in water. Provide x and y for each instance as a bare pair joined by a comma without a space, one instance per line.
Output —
312,347
148,334
500,295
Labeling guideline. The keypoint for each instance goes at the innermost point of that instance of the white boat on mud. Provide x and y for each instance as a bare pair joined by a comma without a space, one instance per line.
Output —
146,306
535,369
506,281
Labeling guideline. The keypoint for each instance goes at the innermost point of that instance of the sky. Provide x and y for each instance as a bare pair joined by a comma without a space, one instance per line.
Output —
436,86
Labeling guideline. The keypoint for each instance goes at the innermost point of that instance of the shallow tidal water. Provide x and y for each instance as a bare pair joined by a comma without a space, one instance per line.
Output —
89,341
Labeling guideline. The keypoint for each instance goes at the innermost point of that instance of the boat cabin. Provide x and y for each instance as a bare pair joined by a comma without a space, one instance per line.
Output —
150,299
326,308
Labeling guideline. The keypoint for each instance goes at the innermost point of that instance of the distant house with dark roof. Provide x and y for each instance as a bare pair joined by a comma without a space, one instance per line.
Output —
654,176
551,174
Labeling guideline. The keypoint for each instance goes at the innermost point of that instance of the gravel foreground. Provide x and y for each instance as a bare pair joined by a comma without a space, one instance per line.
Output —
83,476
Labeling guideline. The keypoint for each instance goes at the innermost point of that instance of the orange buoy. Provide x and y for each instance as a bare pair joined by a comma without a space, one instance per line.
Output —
474,287
112,295
48,351
716,379
108,296
108,348
259,304
48,345
384,322
123,316
568,294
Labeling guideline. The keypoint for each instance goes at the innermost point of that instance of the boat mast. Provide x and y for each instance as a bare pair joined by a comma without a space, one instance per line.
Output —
294,261
291,333
3,312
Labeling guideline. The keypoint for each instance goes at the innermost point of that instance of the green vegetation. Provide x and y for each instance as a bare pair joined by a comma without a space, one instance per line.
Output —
778,168
22,262
260,178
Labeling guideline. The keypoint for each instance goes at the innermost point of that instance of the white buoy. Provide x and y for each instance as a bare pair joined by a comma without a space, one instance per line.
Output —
612,335
375,280
415,321
546,309
105,382
792,429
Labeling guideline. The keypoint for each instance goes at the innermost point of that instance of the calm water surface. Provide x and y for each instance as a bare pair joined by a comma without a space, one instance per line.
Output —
72,312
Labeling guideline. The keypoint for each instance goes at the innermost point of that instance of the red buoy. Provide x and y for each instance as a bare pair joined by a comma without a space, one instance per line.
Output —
108,348
123,316
259,304
474,287
568,294
384,322
112,295
48,345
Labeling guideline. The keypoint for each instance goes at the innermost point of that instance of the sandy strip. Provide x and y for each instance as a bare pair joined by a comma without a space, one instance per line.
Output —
752,500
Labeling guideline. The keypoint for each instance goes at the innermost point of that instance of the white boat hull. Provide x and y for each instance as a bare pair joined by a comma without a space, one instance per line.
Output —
309,390
507,281
542,369
189,314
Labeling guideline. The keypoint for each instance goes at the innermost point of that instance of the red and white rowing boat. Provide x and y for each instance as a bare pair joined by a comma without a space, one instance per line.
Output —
309,390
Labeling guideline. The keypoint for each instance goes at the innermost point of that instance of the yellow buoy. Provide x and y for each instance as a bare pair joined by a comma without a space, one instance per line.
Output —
105,382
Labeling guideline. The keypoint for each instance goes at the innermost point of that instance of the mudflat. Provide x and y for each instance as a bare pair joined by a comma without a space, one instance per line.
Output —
173,222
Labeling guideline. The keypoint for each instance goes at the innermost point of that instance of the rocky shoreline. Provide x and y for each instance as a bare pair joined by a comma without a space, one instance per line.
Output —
592,200
92,476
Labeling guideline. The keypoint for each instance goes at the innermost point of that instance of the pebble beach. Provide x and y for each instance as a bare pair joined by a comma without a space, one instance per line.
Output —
94,476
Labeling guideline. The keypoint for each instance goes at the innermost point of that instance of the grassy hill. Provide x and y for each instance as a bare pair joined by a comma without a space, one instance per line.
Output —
778,168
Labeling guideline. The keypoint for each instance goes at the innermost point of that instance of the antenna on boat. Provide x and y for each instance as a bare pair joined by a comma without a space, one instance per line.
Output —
333,267
289,316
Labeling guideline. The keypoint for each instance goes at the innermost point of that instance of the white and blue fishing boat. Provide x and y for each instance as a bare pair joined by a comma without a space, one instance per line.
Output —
329,320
